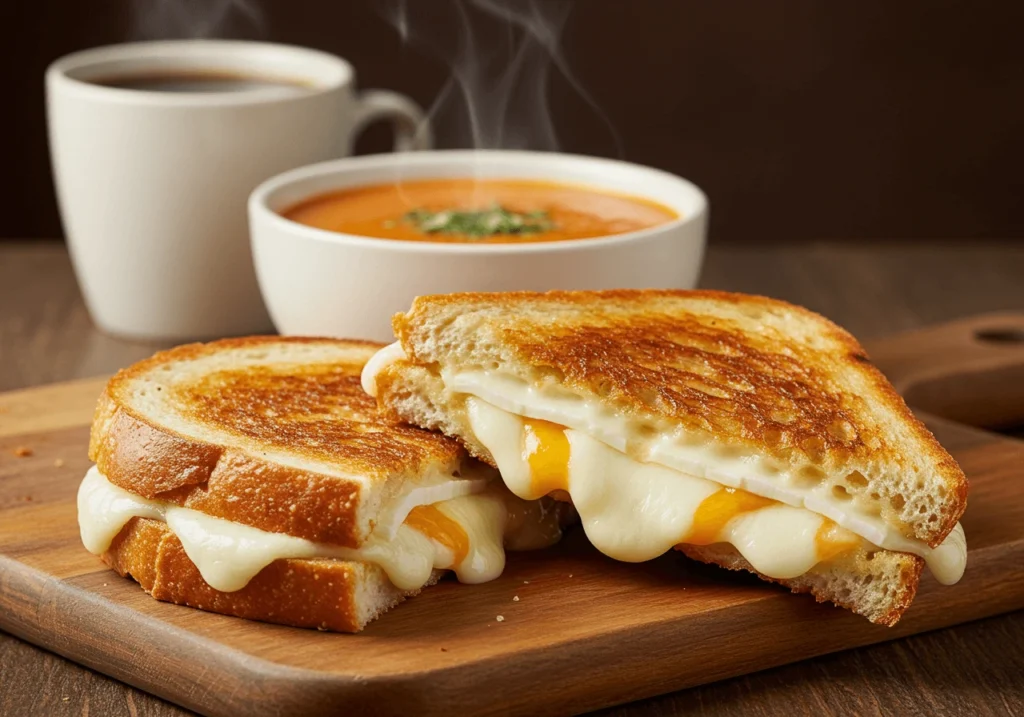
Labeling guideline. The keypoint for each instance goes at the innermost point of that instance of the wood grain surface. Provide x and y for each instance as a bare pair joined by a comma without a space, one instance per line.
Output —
971,371
973,669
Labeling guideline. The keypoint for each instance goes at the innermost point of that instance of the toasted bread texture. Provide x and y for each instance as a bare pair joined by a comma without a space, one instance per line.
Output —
324,594
272,432
878,584
733,371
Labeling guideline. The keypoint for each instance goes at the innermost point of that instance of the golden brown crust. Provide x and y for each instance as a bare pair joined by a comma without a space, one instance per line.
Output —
321,594
706,374
740,375
314,410
146,459
818,583
311,412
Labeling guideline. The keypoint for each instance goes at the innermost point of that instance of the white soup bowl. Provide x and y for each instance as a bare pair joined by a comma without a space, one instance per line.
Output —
324,283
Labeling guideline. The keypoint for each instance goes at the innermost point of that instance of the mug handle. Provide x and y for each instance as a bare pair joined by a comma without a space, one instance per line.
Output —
410,123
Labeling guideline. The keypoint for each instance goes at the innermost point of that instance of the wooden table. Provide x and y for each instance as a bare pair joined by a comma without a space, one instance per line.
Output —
871,288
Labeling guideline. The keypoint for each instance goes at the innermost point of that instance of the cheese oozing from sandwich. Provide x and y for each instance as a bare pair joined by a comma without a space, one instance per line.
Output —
638,496
467,534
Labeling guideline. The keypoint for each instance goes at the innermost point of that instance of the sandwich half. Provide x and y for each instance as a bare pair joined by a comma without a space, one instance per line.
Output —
741,430
254,477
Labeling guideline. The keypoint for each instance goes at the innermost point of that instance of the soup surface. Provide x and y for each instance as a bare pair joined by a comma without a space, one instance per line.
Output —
479,211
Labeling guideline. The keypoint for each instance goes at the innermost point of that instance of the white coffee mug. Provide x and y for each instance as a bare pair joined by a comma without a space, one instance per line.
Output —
152,184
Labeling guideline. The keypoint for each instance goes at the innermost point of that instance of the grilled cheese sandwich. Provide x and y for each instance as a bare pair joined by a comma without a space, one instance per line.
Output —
253,477
639,407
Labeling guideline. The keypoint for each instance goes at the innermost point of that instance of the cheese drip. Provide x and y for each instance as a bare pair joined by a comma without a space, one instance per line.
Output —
634,511
946,562
465,534
546,450
429,520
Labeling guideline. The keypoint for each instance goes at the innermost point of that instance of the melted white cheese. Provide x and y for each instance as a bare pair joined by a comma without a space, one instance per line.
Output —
744,472
778,541
475,478
634,511
948,561
228,554
377,363
485,560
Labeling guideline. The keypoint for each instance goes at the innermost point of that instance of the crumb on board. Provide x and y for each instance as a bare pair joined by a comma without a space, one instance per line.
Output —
58,463
500,618
22,451
515,598
526,582
444,649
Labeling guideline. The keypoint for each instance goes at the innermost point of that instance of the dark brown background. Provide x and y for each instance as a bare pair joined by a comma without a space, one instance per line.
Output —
800,118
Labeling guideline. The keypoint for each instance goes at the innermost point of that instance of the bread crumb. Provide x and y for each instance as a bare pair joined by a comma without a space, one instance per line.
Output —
65,699
22,451
515,599
58,463
444,649
526,582
570,575
500,618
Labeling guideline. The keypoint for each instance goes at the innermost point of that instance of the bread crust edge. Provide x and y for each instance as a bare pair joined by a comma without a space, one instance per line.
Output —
322,594
910,575
160,464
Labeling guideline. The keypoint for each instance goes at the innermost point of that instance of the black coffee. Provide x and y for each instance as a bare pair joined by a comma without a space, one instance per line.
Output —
200,82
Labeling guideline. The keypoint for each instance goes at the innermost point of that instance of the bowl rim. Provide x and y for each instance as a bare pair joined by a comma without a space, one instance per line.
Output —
259,208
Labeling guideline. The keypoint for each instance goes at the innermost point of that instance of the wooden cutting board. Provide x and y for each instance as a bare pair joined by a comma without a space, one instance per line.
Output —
576,631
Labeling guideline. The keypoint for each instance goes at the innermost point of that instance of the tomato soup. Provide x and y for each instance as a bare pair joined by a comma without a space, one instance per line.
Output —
479,211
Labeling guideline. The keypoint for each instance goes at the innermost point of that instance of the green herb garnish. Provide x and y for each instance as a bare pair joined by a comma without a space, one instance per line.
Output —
483,223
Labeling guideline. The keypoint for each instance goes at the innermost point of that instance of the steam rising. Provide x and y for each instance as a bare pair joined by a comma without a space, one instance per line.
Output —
501,54
497,94
158,19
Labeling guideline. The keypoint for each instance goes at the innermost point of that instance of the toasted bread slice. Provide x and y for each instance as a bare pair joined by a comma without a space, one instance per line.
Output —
324,594
270,432
730,380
